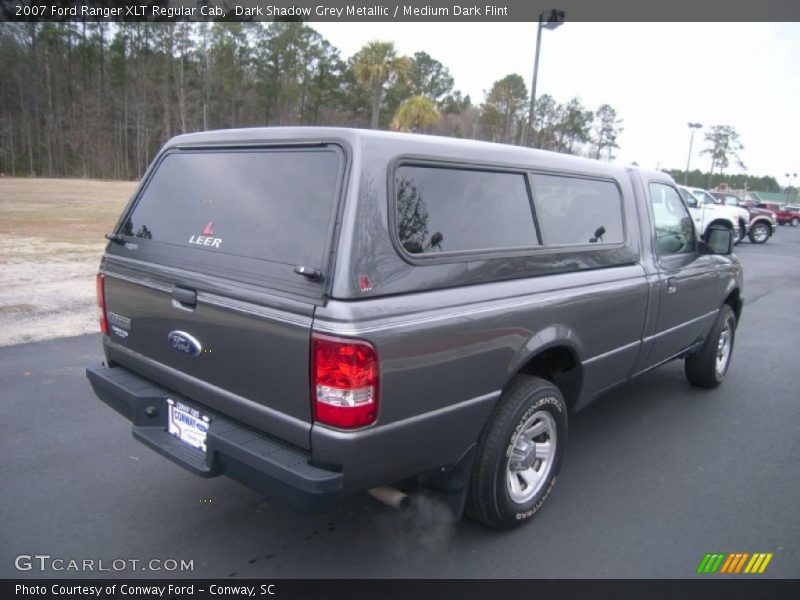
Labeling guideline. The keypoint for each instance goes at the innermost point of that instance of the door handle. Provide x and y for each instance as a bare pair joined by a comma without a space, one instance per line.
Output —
671,285
185,298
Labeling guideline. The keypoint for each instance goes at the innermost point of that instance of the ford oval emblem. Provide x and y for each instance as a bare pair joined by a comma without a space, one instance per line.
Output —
185,343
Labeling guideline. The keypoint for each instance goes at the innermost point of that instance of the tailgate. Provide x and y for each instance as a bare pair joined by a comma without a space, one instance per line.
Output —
203,294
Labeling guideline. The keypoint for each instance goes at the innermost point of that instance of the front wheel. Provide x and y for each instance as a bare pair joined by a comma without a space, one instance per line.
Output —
795,222
519,454
707,368
742,228
760,233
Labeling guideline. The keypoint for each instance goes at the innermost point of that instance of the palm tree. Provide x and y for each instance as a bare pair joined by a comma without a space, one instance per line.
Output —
416,113
373,66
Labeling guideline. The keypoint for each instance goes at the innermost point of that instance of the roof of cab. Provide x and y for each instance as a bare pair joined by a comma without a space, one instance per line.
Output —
651,175
395,143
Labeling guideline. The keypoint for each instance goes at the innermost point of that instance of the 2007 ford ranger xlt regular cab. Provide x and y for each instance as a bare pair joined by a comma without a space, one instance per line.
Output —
319,311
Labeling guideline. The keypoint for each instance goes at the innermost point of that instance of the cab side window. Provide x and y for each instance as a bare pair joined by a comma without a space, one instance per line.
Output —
442,209
708,199
674,228
577,210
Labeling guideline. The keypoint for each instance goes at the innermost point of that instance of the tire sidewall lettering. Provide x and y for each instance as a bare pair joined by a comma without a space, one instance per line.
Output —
535,508
555,406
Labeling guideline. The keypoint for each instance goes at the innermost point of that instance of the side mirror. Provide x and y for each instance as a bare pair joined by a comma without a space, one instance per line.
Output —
691,202
719,240
669,244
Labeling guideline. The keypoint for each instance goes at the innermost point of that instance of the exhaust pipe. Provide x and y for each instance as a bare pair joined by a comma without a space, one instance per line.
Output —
390,496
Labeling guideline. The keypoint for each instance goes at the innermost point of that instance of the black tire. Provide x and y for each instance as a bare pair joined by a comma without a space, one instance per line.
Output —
702,368
742,228
527,400
794,222
760,230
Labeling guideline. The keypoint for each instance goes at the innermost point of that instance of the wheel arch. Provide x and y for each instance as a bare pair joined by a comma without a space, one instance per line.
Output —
554,355
723,222
734,300
757,220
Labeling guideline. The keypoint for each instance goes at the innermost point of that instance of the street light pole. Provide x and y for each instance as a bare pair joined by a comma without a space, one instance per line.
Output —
547,20
790,177
692,127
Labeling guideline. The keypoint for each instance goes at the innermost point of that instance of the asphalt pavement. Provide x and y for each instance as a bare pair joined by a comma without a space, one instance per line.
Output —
656,475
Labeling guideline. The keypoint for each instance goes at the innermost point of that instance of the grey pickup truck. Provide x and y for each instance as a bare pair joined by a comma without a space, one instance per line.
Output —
317,311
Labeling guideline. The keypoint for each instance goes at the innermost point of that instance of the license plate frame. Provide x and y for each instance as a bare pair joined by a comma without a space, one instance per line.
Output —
187,424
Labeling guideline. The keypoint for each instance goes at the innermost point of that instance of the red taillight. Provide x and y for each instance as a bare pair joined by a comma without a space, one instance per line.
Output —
101,302
344,381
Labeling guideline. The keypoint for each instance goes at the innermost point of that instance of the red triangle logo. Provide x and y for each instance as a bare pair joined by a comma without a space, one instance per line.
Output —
208,230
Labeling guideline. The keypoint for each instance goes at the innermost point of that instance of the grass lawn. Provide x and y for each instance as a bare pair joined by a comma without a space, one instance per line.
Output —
51,240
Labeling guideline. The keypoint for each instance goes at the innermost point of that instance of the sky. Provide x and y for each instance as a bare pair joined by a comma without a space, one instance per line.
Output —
658,76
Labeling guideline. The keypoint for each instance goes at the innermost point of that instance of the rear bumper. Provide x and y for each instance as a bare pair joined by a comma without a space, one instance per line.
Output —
278,470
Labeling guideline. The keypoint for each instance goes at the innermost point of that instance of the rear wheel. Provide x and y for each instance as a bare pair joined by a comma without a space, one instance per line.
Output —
707,368
795,221
760,233
519,454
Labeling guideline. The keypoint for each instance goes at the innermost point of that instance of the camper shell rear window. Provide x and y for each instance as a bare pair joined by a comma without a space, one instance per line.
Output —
256,204
249,214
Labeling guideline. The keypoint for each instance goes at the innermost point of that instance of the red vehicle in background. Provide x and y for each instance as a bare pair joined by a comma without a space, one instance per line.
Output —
782,214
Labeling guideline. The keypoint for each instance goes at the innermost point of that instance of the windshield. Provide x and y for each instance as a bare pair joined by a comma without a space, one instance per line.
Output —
688,198
704,197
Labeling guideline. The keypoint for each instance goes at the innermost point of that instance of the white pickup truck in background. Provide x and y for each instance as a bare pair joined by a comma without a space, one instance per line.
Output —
705,211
